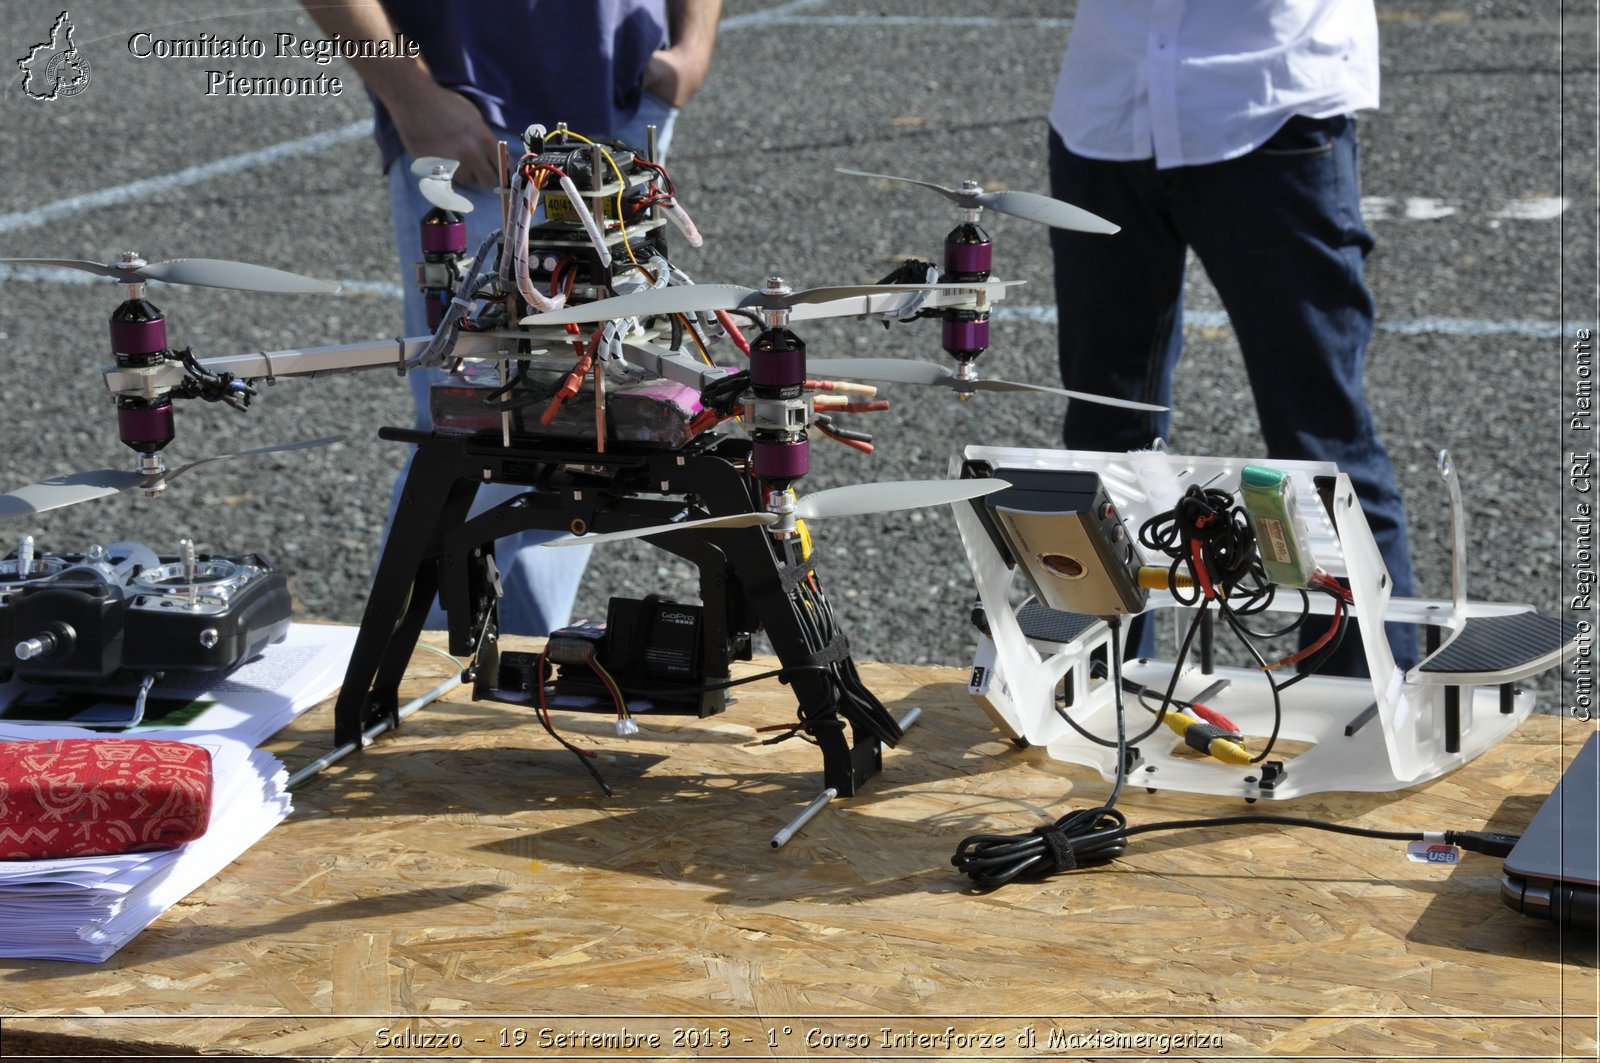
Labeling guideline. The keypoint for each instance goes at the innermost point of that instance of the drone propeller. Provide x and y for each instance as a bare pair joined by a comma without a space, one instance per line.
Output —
202,272
78,487
1028,205
695,298
435,174
909,371
852,501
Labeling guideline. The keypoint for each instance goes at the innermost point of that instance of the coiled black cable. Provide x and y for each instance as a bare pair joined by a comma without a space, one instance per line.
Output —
1086,838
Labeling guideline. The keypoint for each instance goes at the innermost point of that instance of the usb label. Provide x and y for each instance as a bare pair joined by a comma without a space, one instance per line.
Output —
1432,853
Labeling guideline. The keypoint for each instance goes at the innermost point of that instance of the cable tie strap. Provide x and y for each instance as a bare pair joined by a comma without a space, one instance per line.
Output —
837,649
1062,856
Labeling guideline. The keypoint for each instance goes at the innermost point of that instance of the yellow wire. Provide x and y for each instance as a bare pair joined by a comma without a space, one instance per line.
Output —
622,185
611,685
694,334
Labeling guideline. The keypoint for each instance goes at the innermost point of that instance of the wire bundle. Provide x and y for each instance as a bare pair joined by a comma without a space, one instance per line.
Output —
849,694
1209,540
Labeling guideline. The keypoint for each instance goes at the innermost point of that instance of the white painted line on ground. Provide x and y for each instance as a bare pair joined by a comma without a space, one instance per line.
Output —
930,21
1533,208
28,219
1424,208
1037,315
768,16
1413,326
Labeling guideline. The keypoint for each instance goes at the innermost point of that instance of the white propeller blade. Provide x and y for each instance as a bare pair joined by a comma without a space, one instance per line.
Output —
890,496
910,371
679,299
242,276
733,520
1030,206
1027,205
435,186
851,501
304,444
78,487
694,298
66,491
202,272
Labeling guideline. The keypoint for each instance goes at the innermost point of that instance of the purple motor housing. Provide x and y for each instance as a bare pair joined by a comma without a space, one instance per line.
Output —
138,333
144,425
968,256
777,364
444,237
778,375
965,334
779,462
444,234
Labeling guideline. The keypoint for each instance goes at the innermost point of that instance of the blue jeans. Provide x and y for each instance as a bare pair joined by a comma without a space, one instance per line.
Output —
540,585
1279,233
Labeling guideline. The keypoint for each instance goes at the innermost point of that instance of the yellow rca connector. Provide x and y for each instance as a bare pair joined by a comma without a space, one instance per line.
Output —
1207,738
1156,578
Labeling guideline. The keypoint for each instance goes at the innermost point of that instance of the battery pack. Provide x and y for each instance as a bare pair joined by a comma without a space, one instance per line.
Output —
1269,502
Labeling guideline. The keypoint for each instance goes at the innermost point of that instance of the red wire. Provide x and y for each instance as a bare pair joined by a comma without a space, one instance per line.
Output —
574,380
726,321
1327,636
1212,716
544,710
855,444
1327,582
1202,576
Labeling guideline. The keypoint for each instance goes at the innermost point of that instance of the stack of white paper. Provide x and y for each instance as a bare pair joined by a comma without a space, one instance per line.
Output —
86,908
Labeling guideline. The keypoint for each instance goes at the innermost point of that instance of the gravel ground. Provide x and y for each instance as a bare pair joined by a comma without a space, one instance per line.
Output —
1487,106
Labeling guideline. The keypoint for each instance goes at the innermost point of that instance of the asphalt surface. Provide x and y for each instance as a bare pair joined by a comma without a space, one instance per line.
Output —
1488,122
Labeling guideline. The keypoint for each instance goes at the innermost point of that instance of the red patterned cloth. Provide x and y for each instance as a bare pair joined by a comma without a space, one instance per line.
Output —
95,796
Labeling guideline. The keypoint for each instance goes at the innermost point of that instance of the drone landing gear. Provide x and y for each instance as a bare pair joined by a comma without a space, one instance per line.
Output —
749,580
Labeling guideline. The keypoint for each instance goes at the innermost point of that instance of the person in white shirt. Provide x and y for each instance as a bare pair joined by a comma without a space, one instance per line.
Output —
1225,127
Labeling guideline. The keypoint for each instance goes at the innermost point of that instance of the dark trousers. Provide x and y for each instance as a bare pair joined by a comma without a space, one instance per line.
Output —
1279,233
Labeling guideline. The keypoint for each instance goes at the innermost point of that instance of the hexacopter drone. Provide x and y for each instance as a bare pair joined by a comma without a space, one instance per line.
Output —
579,367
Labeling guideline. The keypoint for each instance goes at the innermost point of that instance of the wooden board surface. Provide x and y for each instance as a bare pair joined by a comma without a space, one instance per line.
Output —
466,879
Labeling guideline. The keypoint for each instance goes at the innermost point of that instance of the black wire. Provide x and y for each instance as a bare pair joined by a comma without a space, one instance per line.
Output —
202,383
519,388
1282,821
723,394
781,674
1167,699
1086,836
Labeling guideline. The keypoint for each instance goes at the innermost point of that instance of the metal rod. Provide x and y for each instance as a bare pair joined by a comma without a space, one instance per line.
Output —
794,825
334,756
821,800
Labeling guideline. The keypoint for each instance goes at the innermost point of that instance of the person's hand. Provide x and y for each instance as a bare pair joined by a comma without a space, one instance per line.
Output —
675,74
439,121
